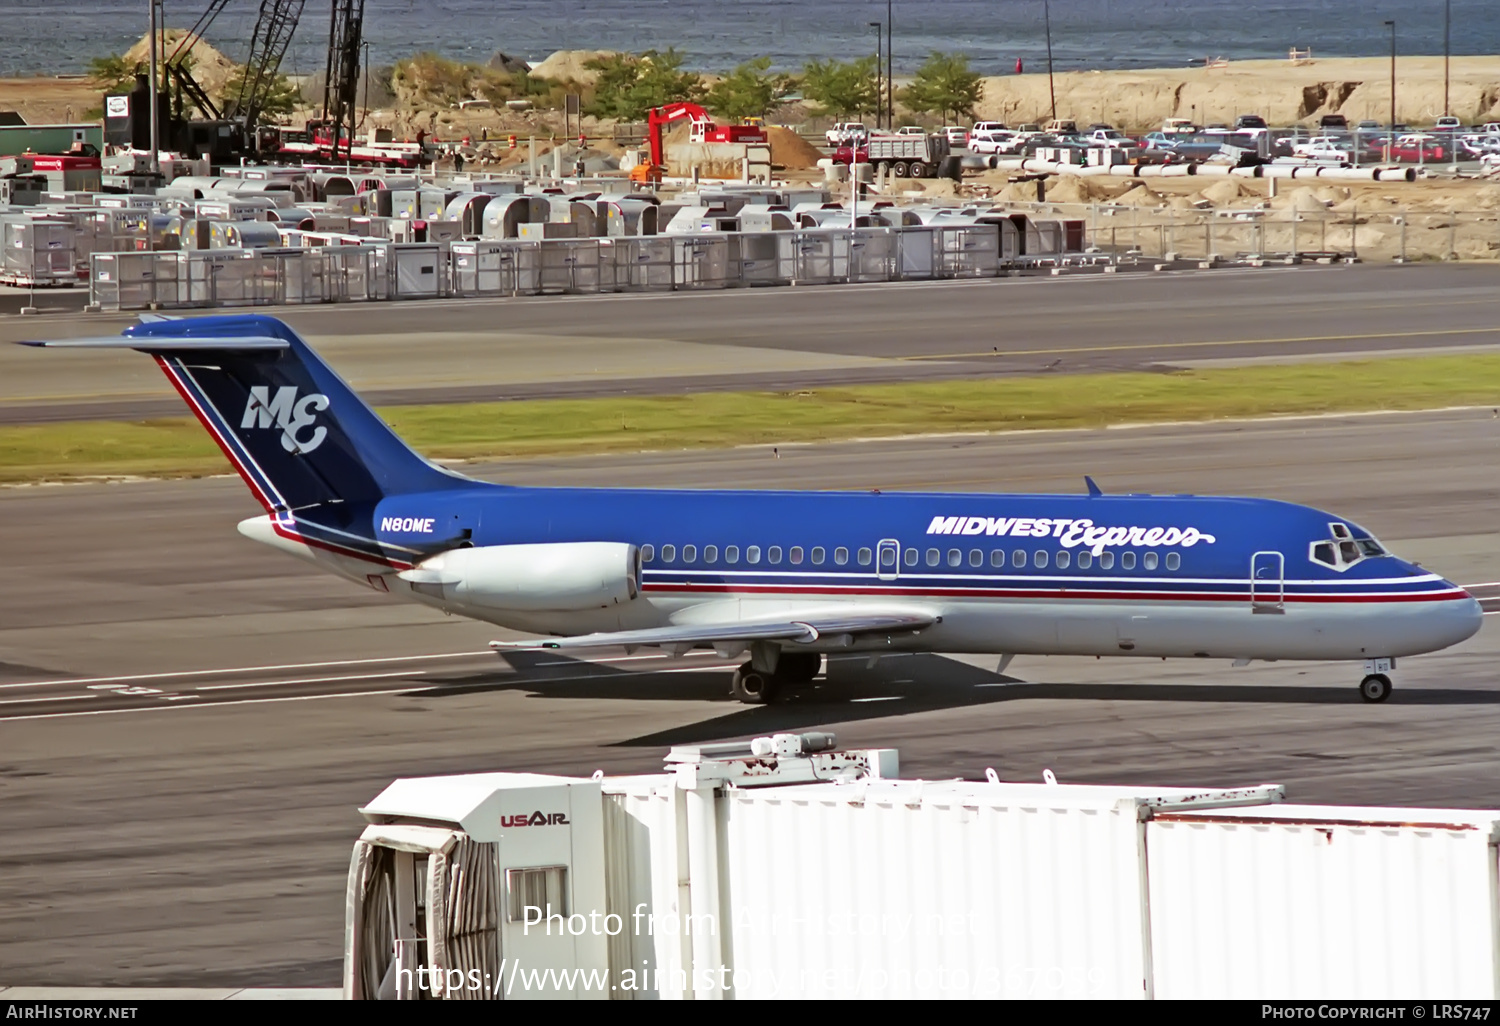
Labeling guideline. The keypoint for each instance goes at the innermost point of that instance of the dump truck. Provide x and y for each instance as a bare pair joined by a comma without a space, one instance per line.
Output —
907,156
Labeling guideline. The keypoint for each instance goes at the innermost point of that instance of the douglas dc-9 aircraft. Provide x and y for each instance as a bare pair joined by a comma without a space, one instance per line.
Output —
782,578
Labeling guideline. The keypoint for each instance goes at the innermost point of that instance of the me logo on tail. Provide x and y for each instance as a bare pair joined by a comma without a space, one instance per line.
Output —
288,413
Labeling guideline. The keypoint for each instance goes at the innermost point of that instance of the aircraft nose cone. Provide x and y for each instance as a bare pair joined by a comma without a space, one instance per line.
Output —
1462,619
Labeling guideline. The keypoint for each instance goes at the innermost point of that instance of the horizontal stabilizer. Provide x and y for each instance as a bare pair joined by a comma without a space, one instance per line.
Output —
804,631
159,344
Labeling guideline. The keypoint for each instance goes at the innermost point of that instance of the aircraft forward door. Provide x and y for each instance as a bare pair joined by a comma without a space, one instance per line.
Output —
888,559
1267,583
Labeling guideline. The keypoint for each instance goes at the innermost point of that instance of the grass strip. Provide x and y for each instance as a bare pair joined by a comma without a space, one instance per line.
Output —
174,447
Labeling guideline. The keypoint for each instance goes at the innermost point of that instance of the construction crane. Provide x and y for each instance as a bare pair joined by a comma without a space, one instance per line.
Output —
174,70
268,45
703,131
341,81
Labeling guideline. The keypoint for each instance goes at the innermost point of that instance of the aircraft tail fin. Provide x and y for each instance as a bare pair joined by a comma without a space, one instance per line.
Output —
298,435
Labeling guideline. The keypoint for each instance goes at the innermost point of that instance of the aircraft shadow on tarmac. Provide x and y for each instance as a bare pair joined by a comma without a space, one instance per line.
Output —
853,691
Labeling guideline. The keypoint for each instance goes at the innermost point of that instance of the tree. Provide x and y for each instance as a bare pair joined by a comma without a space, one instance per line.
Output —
114,74
280,96
944,83
748,91
841,88
631,84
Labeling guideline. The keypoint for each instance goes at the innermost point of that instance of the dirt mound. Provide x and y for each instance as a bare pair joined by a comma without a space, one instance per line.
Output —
568,66
1222,192
792,151
1139,195
210,68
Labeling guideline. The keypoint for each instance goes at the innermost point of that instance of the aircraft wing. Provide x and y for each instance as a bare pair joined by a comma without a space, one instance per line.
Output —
733,635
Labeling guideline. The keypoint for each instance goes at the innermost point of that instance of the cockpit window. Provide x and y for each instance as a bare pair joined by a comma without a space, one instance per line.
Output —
1344,550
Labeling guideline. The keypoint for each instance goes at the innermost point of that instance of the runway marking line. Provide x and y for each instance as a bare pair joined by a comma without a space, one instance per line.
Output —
991,354
246,669
306,680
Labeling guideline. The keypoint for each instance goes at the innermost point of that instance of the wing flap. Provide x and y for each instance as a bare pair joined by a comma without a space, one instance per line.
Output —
164,343
803,631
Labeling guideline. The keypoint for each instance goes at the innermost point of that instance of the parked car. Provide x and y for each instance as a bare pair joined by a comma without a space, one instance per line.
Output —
846,132
1322,147
1161,140
1328,121
1109,138
911,130
1416,147
957,136
1250,123
994,141
1477,147
1448,124
1061,128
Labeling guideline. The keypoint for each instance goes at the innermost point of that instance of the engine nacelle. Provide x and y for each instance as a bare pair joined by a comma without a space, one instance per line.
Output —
558,577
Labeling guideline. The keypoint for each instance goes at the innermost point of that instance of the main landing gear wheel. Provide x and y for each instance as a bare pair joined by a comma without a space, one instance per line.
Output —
1375,688
753,687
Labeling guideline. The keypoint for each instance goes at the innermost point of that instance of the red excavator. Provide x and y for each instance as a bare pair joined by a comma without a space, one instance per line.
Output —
703,131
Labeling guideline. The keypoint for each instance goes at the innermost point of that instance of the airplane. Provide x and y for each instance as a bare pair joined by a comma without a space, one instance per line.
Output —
782,579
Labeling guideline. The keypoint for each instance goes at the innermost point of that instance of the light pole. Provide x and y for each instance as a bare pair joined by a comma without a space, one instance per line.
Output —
1390,137
1447,18
879,67
151,98
1051,87
890,48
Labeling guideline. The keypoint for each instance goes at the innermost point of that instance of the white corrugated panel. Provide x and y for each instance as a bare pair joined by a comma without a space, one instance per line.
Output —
950,889
646,886
1321,902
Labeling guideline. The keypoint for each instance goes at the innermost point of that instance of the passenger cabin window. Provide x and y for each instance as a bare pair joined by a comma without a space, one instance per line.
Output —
911,557
668,553
689,553
1127,560
955,557
841,555
1149,561
731,553
1173,561
976,557
648,553
1062,560
794,555
773,554
752,554
1085,560
1018,558
710,553
1106,560
865,556
817,555
887,557
997,558
1039,559
934,557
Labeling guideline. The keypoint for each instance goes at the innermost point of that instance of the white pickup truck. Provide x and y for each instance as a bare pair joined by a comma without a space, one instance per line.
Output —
846,133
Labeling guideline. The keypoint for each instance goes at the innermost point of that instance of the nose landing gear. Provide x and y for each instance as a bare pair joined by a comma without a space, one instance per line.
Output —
1376,687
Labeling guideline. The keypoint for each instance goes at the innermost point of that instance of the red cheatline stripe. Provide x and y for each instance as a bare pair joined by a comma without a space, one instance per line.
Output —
833,592
338,549
208,424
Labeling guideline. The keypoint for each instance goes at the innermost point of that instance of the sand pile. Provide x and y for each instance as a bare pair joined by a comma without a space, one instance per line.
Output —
1138,194
792,151
210,68
1224,192
568,66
